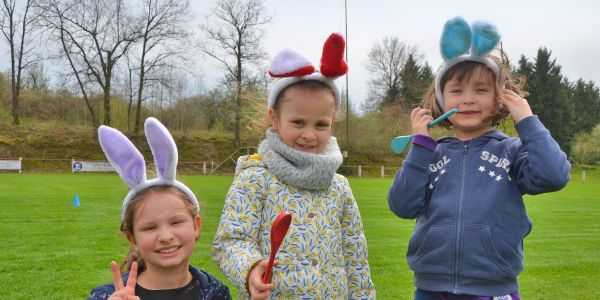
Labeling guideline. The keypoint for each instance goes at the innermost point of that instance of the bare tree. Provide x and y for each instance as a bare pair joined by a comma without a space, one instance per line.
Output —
15,29
94,35
35,78
385,63
165,24
234,36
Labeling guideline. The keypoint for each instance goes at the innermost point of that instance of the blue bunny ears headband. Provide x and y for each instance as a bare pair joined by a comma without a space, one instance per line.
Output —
129,162
461,42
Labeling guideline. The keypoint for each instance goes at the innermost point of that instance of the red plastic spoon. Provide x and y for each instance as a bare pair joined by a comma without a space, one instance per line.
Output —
278,231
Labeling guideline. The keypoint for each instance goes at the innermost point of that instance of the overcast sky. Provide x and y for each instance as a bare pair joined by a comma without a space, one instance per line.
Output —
568,28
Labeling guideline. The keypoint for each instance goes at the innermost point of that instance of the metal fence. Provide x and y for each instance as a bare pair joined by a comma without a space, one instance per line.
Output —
227,167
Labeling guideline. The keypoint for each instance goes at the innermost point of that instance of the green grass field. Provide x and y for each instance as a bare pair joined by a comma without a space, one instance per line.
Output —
52,250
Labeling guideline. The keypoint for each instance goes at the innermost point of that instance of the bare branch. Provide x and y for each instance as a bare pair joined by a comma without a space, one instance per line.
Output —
385,63
95,35
164,28
233,38
16,30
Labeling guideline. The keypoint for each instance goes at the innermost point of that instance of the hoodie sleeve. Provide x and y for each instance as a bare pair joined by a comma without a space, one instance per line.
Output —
102,292
354,245
540,165
235,248
406,197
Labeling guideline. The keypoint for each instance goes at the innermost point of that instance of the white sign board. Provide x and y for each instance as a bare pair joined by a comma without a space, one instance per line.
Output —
10,164
91,166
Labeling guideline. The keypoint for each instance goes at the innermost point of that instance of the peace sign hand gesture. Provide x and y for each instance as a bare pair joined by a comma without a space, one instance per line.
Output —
124,292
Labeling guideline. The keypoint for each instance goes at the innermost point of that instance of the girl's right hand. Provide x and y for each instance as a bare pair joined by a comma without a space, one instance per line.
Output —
420,118
124,292
258,289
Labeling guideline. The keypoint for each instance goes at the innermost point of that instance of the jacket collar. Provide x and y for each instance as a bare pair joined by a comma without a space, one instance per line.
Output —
454,143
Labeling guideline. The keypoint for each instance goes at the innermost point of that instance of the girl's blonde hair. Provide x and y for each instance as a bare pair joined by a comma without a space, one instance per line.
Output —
464,70
135,203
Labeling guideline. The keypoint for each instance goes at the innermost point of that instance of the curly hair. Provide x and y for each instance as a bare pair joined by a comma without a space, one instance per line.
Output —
464,70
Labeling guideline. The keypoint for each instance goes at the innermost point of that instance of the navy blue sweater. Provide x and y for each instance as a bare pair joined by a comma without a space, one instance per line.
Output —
467,199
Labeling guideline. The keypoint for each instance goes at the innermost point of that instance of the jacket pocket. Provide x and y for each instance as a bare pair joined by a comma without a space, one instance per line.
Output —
433,252
484,259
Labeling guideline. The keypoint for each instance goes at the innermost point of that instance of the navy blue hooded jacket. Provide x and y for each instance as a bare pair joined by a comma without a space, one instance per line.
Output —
467,199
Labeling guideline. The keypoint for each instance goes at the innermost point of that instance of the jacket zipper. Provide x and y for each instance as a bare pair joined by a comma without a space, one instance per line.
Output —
458,238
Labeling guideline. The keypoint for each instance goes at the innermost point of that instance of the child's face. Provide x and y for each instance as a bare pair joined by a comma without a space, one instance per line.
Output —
305,118
164,231
474,97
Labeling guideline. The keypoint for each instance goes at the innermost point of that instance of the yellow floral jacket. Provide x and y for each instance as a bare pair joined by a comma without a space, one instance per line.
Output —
324,254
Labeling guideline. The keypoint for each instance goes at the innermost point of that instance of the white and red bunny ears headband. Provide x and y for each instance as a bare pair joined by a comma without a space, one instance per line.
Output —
129,162
291,67
457,39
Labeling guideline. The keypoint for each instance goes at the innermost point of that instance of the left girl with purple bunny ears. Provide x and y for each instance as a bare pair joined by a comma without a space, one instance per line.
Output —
160,218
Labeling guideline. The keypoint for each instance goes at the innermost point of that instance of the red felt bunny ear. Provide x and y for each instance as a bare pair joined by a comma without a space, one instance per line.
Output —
288,63
332,60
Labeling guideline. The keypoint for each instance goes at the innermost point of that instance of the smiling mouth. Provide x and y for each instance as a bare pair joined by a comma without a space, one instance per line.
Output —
468,112
306,146
168,250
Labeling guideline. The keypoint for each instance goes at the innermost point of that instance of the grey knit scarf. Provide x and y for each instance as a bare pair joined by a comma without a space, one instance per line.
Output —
297,168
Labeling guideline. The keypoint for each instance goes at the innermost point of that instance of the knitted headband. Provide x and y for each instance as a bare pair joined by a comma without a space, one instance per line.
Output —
457,39
129,162
291,67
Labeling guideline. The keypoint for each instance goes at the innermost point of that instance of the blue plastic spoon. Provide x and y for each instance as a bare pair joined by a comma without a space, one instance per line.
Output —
400,143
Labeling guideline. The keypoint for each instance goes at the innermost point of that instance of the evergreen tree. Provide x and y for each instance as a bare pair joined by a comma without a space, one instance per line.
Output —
525,68
549,96
415,82
426,78
586,100
410,91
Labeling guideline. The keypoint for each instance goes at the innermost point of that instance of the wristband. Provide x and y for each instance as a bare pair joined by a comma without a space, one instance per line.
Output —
424,141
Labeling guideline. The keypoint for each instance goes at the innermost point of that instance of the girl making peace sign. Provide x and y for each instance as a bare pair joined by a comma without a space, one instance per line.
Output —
160,218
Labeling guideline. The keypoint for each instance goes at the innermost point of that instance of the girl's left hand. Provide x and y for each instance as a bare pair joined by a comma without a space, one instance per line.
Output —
517,106
259,290
122,291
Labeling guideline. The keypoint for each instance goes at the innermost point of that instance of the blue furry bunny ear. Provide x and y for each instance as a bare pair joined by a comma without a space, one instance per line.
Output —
485,38
456,38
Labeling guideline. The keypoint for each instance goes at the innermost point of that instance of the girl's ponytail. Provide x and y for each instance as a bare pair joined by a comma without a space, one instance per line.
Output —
132,255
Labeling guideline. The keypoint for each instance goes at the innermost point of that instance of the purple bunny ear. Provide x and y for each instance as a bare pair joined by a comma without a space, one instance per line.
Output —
163,148
122,155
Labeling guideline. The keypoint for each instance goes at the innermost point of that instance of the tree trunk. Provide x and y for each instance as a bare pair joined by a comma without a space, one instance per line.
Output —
238,100
15,104
138,112
107,92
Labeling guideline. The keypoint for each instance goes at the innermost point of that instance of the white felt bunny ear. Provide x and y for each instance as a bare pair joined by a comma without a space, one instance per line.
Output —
163,148
122,155
288,63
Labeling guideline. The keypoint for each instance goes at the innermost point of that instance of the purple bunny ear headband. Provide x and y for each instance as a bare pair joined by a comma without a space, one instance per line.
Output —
129,162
